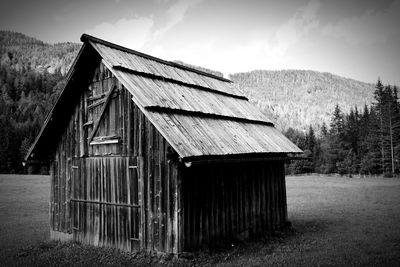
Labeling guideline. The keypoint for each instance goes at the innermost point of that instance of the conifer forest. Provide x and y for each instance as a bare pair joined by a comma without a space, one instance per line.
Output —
362,142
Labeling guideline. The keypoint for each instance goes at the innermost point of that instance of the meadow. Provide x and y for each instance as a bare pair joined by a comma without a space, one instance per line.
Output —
335,221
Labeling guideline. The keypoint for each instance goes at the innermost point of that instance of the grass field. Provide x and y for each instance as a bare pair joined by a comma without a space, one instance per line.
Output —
23,211
336,221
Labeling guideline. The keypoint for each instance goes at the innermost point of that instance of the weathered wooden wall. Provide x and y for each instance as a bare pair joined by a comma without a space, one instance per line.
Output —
120,188
232,200
159,168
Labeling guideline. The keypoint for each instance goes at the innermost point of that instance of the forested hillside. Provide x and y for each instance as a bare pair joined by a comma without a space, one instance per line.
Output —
24,53
299,98
31,76
363,141
343,125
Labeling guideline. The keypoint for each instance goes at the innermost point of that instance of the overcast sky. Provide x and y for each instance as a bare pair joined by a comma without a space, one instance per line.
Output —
358,39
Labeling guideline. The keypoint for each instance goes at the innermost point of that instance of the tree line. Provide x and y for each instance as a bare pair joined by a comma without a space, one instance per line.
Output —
31,76
26,97
363,141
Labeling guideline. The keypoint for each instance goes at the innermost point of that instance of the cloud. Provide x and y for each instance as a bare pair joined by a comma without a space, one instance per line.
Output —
288,34
175,14
267,51
139,32
132,33
369,28
231,58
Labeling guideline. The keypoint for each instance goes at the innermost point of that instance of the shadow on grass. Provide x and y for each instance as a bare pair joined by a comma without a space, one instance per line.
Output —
73,254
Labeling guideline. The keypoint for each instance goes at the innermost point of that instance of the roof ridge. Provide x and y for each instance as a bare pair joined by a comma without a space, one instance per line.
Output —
86,37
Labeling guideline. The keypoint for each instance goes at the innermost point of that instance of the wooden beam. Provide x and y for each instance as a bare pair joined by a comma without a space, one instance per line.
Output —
96,126
188,164
104,142
105,203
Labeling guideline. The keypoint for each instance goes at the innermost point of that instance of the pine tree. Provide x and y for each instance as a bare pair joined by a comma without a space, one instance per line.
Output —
370,140
337,146
379,109
396,129
324,130
386,108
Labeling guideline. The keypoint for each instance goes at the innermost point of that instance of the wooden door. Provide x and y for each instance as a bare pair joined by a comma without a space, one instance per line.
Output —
105,202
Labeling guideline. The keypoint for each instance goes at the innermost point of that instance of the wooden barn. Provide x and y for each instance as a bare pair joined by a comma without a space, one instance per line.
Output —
147,154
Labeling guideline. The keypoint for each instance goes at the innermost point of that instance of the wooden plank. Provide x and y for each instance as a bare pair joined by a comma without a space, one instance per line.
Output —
156,188
206,213
51,200
62,191
150,184
256,186
130,223
68,196
176,208
168,202
172,191
142,202
90,220
113,199
282,171
162,222
107,198
105,142
262,199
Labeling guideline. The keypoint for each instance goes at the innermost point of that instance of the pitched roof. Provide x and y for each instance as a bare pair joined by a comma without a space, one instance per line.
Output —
198,113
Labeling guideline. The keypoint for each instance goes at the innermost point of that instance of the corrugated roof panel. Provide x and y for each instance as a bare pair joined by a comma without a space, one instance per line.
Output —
137,63
157,93
200,136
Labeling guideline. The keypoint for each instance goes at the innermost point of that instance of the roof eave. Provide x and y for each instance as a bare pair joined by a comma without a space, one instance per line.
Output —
240,158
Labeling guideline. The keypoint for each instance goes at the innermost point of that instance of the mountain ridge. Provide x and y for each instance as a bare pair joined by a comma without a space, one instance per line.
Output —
22,52
299,98
292,98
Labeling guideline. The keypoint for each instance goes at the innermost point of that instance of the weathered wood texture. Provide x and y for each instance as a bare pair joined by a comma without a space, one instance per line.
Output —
232,201
121,194
159,172
140,63
104,202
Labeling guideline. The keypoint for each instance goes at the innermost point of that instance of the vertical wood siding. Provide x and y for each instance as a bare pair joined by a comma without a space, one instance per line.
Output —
105,202
159,188
73,146
232,201
88,181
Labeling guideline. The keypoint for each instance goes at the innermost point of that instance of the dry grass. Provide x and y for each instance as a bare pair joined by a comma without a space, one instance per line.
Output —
336,221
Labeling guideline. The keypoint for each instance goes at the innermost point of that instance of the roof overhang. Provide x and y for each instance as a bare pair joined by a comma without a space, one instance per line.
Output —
236,159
